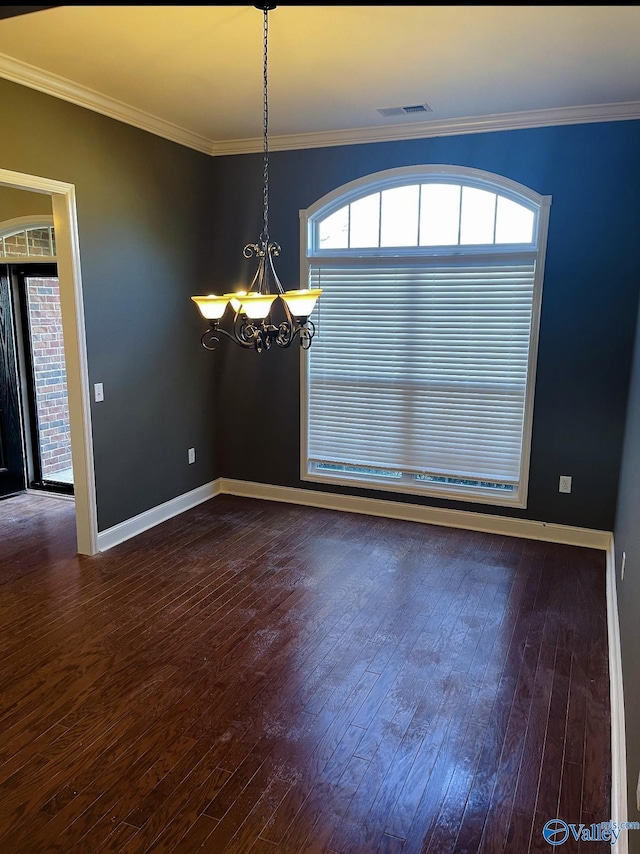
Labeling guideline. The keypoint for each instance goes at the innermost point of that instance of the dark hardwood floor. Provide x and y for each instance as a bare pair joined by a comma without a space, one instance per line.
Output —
266,678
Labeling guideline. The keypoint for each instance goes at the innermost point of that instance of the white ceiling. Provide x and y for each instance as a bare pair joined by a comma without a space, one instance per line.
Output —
194,73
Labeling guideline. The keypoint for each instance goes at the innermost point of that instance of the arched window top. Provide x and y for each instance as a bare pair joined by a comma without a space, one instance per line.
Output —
425,209
30,237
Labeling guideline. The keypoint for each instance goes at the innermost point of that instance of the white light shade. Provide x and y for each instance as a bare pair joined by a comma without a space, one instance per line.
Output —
234,299
256,306
301,303
211,307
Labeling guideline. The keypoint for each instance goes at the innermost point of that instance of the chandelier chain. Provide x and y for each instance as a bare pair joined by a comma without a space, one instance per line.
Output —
265,192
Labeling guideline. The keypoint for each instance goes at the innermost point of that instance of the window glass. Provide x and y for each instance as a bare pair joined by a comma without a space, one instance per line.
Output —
448,214
334,230
365,222
514,222
439,214
38,241
477,216
399,215
16,244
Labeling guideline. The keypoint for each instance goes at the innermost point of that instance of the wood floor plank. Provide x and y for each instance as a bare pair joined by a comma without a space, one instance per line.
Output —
196,836
259,678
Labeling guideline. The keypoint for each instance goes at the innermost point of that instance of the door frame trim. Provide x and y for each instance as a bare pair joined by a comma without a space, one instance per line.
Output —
65,221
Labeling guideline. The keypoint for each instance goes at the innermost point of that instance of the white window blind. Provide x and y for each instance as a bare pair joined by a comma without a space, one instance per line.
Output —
422,368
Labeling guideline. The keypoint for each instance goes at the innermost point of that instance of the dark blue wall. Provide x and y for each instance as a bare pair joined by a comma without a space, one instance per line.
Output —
589,306
143,220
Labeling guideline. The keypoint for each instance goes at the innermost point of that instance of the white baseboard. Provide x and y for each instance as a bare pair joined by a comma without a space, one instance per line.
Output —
505,525
150,518
619,808
466,520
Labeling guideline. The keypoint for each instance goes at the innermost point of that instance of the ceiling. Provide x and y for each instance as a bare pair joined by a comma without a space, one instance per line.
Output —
194,73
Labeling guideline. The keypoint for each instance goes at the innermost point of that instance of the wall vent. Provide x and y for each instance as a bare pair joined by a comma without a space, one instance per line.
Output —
410,110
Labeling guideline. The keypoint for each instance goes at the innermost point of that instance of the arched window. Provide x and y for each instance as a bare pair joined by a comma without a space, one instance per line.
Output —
421,376
29,237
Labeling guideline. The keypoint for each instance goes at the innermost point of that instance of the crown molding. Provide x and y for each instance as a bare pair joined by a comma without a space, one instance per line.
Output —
60,87
446,127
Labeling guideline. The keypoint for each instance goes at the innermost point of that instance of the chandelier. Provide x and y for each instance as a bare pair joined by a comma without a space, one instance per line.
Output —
246,317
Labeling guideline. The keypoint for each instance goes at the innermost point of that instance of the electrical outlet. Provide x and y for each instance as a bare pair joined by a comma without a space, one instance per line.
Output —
192,455
98,392
624,560
565,483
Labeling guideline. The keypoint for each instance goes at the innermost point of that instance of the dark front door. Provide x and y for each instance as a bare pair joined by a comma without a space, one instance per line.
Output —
12,476
45,380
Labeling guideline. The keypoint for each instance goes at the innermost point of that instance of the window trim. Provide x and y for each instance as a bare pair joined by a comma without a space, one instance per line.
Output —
309,252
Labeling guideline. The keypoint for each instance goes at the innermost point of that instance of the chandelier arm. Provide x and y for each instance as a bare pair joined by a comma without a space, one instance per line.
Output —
243,332
285,335
274,249
307,331
251,250
215,330
288,332
290,319
259,278
209,339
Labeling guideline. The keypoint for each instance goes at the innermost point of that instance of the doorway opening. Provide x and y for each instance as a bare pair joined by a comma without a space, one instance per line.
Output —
35,428
63,205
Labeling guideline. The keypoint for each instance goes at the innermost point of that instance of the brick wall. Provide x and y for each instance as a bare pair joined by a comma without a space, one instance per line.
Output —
50,378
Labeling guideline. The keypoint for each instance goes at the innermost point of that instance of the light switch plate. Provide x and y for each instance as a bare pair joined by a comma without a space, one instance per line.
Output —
98,392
